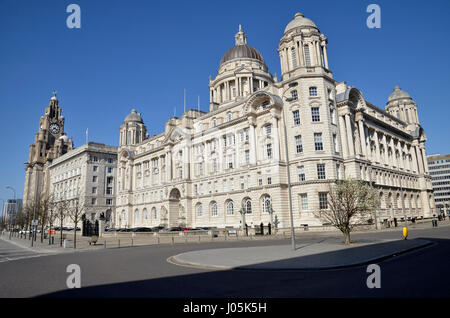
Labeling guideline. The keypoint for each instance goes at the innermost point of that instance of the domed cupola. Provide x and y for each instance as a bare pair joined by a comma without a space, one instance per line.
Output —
401,105
132,130
241,50
242,71
303,46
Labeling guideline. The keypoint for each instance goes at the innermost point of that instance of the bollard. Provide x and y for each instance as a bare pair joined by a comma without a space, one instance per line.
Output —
173,241
119,242
132,242
405,232
104,244
65,243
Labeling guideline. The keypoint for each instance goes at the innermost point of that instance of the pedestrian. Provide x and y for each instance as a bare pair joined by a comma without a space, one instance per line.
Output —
262,228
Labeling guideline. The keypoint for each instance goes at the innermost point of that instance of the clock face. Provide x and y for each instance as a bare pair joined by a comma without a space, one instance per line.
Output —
54,129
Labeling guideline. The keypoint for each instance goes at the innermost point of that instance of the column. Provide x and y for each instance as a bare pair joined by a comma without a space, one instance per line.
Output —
349,135
297,52
227,90
252,137
424,158
362,137
325,55
302,55
408,163
319,58
343,134
418,154
250,84
368,143
394,156
386,156
377,145
276,146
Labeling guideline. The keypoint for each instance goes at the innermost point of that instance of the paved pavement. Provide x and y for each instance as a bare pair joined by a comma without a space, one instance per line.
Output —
10,251
325,254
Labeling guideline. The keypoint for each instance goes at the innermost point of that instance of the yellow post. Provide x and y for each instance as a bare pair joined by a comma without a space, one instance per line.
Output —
405,232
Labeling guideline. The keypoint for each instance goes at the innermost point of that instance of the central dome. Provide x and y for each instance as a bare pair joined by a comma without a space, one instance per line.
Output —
243,51
133,117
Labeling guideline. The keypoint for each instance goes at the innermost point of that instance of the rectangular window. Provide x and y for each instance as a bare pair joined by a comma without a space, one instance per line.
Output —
294,95
200,168
108,201
94,201
298,144
269,180
95,168
94,179
313,91
110,169
296,116
301,173
269,151
215,165
304,201
230,161
268,129
247,156
323,200
315,115
335,143
110,160
321,171
259,179
94,190
246,134
318,141
109,190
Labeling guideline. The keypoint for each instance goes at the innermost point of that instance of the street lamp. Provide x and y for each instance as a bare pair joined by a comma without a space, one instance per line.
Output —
15,206
242,211
3,212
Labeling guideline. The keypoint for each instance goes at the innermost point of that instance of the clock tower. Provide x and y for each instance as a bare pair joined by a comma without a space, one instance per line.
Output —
50,142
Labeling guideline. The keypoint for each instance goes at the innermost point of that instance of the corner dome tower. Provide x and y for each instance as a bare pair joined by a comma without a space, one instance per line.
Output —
132,130
401,105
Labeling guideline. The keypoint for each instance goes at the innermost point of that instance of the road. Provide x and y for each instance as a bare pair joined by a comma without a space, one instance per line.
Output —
145,272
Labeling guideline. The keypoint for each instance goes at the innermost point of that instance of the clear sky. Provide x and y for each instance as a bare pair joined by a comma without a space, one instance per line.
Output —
143,54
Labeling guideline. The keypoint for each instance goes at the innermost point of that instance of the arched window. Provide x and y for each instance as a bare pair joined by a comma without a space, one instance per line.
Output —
214,122
136,216
266,203
213,208
154,213
248,206
229,116
293,57
307,55
145,213
230,208
268,129
199,209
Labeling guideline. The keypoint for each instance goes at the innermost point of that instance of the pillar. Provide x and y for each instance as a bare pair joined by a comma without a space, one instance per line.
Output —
349,135
343,134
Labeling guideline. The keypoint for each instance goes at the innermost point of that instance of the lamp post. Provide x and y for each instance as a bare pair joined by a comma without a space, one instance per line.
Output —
15,206
3,212
243,212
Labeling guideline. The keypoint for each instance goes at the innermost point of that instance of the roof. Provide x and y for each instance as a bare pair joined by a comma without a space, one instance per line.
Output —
133,117
398,93
299,21
241,52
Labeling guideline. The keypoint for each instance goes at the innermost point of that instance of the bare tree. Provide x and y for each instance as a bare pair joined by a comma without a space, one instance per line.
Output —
62,208
51,217
75,212
45,204
350,202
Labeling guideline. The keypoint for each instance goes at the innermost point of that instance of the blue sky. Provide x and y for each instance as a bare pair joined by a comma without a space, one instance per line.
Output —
143,54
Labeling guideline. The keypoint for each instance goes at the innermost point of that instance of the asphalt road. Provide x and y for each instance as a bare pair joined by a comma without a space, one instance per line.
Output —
145,272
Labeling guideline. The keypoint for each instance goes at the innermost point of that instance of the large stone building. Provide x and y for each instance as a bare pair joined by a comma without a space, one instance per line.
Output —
50,142
439,166
204,168
86,174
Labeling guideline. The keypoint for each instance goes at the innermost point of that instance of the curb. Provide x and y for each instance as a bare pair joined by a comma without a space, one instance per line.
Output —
176,261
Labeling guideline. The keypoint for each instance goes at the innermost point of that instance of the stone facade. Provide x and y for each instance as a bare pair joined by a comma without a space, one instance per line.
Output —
207,167
87,173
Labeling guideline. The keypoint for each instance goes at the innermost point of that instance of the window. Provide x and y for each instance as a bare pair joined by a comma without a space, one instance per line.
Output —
332,115
246,134
269,151
94,168
229,116
315,114
109,190
268,129
230,161
266,203
318,141
94,179
307,55
109,201
298,144
294,95
230,208
136,216
200,168
110,160
301,173
214,209
335,143
215,165
199,210
321,171
109,180
323,200
313,91
94,201
248,206
293,57
304,201
154,213
247,156
259,178
95,159
296,116
110,169
94,190
269,180
214,122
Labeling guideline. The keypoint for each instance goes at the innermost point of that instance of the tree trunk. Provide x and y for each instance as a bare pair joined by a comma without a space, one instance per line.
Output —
347,238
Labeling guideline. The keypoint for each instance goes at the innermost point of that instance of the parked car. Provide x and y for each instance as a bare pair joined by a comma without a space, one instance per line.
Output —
124,230
157,228
174,229
112,230
141,229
